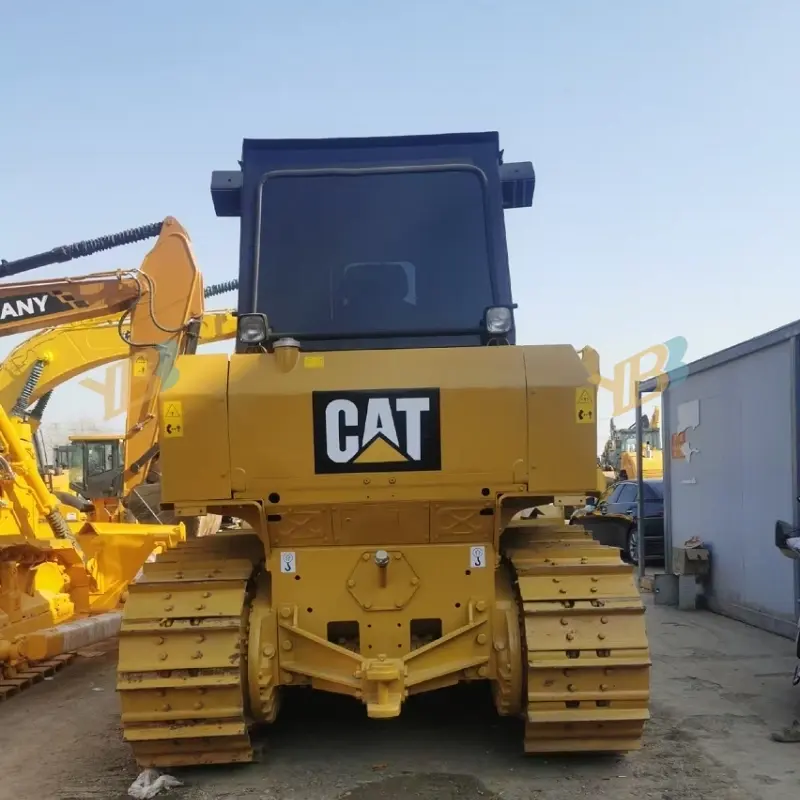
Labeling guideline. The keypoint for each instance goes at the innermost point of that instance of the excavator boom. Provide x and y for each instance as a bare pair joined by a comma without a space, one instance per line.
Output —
163,300
51,357
30,305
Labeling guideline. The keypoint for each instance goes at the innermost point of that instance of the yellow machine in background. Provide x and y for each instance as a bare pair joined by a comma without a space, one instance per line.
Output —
49,358
619,454
379,429
62,574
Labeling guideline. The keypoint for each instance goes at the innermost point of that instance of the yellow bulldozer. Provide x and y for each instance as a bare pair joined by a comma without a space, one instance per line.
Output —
379,430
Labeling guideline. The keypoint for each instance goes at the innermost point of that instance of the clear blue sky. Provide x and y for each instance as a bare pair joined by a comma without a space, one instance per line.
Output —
664,136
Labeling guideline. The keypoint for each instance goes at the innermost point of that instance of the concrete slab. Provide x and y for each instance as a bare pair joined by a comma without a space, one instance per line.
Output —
719,689
728,686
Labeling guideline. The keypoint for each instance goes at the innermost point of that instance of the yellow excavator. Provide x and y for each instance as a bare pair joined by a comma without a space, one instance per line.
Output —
91,465
62,573
379,429
52,356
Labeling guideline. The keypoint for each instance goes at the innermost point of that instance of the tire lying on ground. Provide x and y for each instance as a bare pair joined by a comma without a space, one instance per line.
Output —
146,501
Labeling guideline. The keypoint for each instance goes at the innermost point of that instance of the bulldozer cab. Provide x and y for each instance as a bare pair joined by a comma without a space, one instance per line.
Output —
94,464
387,242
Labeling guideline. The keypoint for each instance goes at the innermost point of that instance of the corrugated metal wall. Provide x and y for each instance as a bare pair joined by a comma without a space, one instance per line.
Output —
733,474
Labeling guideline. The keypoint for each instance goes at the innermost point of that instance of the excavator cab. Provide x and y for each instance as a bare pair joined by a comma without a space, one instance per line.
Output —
68,460
95,464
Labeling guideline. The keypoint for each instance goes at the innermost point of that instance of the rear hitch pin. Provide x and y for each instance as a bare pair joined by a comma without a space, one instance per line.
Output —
382,562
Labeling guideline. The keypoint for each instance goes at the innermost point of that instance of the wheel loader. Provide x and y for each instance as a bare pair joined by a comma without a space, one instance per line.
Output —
379,429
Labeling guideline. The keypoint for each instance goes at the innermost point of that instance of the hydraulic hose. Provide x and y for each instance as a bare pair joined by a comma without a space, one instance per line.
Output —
80,249
16,453
220,288
41,405
23,401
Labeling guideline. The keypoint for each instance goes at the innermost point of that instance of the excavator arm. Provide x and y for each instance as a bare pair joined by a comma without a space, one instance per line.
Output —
73,568
162,303
164,321
36,304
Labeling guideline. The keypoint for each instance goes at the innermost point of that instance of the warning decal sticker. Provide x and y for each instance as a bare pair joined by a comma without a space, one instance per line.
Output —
172,421
584,406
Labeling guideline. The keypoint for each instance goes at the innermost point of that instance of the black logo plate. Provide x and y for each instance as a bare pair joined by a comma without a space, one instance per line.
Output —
387,430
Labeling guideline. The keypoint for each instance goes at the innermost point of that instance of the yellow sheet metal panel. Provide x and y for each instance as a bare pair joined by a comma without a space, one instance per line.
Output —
446,416
196,462
561,446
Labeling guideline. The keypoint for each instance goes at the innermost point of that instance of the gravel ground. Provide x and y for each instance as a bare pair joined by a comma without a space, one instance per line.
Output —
719,687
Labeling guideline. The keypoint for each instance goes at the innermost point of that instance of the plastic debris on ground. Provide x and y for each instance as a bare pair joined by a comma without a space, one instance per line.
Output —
150,783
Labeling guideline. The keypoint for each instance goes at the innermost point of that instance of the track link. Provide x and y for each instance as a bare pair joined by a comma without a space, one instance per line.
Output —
182,654
583,640
16,680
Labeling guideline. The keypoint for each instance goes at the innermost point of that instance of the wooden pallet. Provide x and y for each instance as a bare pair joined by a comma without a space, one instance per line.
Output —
33,673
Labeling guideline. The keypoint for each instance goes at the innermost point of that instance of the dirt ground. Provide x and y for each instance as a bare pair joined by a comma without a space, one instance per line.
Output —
718,689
